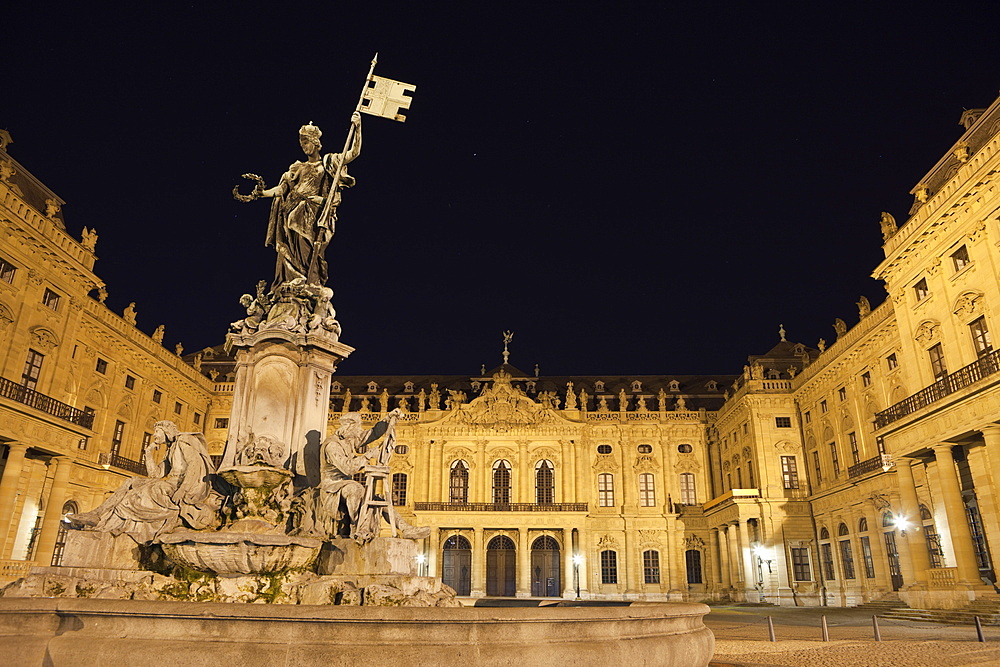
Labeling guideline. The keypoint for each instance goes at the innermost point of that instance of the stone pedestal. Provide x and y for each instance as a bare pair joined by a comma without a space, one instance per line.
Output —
383,555
93,549
282,392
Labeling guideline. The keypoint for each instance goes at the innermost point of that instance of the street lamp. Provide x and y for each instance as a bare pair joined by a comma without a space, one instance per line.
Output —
420,565
763,555
901,524
577,561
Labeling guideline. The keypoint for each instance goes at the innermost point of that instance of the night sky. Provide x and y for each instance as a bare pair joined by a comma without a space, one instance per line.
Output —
630,188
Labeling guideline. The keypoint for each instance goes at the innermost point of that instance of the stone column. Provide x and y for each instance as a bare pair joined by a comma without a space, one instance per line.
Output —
8,488
433,547
569,591
53,510
478,584
525,476
749,571
523,565
727,552
991,438
909,509
954,507
482,489
437,491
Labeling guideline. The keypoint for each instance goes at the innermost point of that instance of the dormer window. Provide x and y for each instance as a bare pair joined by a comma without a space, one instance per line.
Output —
675,385
920,289
336,387
372,387
598,386
636,386
408,387
712,385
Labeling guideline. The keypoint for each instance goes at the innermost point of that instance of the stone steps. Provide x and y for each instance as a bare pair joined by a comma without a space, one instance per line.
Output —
963,616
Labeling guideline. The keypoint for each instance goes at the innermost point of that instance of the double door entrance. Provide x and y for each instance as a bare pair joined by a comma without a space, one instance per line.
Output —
501,567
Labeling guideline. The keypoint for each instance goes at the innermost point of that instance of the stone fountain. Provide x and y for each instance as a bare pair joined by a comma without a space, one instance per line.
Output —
161,567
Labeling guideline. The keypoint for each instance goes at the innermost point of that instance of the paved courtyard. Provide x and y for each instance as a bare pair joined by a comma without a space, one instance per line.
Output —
741,639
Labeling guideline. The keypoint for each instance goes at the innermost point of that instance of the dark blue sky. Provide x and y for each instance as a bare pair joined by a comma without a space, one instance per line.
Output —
631,188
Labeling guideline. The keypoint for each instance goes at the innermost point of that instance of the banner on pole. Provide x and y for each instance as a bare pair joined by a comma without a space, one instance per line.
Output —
387,98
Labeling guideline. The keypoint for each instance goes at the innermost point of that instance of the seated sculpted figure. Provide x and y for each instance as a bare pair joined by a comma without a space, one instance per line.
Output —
345,454
177,492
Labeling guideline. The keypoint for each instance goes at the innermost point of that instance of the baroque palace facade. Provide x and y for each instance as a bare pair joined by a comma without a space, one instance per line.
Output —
839,475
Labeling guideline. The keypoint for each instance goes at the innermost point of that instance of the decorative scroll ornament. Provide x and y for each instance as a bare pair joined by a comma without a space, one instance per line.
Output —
694,542
607,542
649,538
927,332
645,463
502,407
968,304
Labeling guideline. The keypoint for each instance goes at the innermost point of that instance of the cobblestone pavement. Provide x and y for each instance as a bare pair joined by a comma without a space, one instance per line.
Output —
741,639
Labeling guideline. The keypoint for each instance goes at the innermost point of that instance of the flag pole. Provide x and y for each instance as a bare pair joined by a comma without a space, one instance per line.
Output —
323,220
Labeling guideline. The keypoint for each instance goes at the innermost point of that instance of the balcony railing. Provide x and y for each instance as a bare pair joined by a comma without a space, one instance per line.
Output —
870,465
15,569
983,367
500,507
116,461
47,404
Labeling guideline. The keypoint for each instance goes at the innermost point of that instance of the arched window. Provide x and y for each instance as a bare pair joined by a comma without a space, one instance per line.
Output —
458,486
651,567
863,525
57,554
842,529
688,495
609,567
824,534
925,514
399,488
887,520
647,490
692,558
544,483
606,490
501,482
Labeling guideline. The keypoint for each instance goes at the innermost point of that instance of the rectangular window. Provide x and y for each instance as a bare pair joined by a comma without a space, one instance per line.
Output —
938,366
221,422
920,289
827,557
606,490
855,454
178,408
688,496
7,271
842,393
651,567
783,422
157,396
129,382
50,299
32,369
609,567
753,484
808,417
399,489
866,379
102,366
789,472
647,490
739,478
116,437
823,407
834,459
819,471
980,337
197,418
866,552
847,559
146,439
891,362
800,564
960,258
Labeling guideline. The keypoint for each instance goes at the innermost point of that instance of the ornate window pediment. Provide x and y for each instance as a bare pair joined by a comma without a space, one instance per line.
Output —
43,337
927,332
968,304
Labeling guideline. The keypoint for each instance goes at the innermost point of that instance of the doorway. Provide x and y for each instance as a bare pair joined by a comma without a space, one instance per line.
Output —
500,567
545,582
456,569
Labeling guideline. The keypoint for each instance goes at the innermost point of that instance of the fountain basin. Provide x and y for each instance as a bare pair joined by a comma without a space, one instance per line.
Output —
255,477
239,553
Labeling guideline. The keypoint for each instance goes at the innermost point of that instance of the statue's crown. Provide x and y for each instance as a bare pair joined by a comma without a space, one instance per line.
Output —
310,131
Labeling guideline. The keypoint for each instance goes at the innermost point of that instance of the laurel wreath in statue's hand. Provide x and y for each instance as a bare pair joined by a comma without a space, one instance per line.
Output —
257,189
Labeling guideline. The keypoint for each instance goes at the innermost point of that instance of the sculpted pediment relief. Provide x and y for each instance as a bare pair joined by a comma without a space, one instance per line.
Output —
501,407
927,332
968,304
